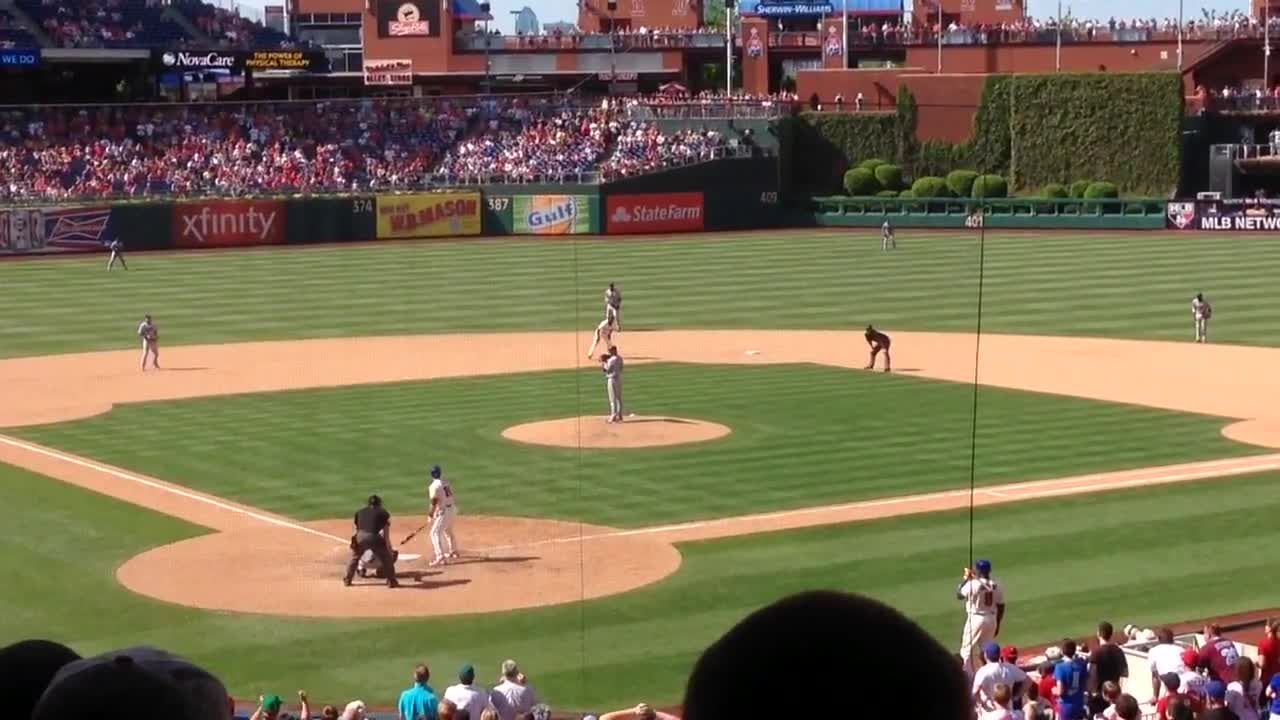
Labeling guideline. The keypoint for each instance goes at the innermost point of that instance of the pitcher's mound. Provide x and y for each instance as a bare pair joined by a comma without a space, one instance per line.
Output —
636,431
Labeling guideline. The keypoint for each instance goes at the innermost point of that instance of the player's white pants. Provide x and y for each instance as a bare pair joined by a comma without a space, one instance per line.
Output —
888,243
153,350
114,257
1202,329
978,629
615,313
596,340
614,386
442,540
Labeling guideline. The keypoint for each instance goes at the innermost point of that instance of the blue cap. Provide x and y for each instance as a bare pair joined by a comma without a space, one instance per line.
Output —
991,649
983,565
1216,689
435,471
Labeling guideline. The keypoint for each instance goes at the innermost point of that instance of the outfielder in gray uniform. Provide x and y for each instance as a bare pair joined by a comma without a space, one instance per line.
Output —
611,364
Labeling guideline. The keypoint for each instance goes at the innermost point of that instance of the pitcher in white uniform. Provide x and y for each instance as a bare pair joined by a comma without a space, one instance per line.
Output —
150,335
984,611
604,331
1201,312
443,510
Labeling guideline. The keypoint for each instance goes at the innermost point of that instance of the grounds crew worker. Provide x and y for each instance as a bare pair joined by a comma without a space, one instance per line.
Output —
373,532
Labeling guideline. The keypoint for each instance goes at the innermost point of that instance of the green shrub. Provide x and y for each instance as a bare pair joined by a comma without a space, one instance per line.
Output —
990,186
871,164
960,182
1078,187
1054,191
1100,190
889,176
907,194
929,187
887,194
860,181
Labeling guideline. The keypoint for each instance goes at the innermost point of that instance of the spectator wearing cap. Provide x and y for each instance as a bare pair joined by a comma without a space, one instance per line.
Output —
268,707
1172,684
994,673
1218,655
418,702
1192,681
639,712
1244,693
26,668
466,696
1107,664
1215,693
512,695
1071,676
1164,658
142,683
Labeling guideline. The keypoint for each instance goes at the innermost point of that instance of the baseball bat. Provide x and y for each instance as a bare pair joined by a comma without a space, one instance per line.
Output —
414,534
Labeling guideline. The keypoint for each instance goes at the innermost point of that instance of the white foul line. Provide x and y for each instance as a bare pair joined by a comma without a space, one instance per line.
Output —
123,475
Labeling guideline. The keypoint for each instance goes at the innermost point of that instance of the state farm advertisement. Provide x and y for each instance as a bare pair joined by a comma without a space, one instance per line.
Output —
228,223
654,213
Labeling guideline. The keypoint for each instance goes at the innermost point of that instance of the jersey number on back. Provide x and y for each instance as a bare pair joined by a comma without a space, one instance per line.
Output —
448,491
987,598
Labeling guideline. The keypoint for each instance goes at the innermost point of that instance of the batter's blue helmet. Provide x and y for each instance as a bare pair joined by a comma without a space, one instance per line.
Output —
435,471
984,566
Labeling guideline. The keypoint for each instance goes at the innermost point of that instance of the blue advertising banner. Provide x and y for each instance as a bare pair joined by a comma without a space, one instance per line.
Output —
11,58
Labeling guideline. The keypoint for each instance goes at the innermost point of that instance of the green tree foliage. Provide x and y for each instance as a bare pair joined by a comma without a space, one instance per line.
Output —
990,186
1100,190
860,181
1054,190
889,176
930,187
960,182
1078,187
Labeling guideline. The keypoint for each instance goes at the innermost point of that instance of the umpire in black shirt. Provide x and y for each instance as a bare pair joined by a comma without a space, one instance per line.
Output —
373,532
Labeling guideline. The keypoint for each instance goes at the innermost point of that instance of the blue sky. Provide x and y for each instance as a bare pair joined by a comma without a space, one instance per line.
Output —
551,10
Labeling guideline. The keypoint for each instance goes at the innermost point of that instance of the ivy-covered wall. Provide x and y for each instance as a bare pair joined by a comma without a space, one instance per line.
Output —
1030,129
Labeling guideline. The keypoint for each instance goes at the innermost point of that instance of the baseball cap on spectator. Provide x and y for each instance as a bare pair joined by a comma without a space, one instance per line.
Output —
467,674
1171,681
1190,658
991,650
148,681
859,634
26,668
271,703
1054,653
1009,653
1216,689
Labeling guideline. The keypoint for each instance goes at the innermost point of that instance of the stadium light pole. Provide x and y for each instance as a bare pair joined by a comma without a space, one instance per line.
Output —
1266,46
728,48
1180,35
1057,50
485,8
844,56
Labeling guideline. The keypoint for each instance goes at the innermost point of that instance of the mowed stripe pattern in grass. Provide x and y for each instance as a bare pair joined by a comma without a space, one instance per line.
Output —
1066,563
1079,284
802,436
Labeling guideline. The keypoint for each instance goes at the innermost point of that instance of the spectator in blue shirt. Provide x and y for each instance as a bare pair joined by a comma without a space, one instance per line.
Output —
1072,675
419,702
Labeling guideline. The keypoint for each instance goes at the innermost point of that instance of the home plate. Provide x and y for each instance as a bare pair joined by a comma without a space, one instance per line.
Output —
408,556
753,352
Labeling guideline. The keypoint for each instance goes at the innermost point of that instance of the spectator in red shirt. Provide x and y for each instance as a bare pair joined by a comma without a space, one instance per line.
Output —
1047,682
1171,683
1219,655
1269,651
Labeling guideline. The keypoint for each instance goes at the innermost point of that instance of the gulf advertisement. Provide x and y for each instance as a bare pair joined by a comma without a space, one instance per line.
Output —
654,213
29,230
551,214
228,223
427,215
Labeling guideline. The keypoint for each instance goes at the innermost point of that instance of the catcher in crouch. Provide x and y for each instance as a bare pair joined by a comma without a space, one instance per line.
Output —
878,342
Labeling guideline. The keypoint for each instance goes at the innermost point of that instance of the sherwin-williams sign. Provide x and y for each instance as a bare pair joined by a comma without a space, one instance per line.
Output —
551,214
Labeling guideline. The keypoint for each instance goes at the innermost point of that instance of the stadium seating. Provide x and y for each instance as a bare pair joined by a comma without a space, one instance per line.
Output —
12,35
229,30
642,148
104,23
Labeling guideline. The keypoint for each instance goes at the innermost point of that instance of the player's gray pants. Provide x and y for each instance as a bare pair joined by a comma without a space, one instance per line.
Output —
1202,330
614,386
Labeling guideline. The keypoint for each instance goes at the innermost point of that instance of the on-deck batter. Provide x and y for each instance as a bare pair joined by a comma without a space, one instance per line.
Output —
604,331
984,611
150,335
443,510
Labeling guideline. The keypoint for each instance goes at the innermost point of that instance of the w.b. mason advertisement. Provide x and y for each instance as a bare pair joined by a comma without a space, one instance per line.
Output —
408,18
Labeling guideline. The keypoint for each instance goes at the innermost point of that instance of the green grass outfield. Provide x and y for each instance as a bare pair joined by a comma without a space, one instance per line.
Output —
803,436
1079,284
800,439
1067,563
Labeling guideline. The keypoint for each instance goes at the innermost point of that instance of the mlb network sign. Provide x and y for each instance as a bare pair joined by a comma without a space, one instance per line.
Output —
654,213
1223,217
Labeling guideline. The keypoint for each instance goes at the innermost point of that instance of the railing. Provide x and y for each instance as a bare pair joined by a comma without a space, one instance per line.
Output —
1139,207
588,41
455,180
1250,151
710,110
1243,104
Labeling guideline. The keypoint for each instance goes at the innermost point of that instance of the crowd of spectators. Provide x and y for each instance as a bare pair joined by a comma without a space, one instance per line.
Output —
229,29
525,142
227,149
103,23
12,34
777,644
642,148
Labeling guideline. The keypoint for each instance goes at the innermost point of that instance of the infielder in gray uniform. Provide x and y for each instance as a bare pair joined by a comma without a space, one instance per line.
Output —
611,364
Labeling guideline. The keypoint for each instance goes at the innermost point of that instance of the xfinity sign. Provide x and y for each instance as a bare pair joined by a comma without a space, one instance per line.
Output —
180,60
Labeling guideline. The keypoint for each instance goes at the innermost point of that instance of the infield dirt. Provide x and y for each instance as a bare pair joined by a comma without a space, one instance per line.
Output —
516,562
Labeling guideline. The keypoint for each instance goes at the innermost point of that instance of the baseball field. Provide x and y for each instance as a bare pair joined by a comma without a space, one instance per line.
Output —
1119,470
